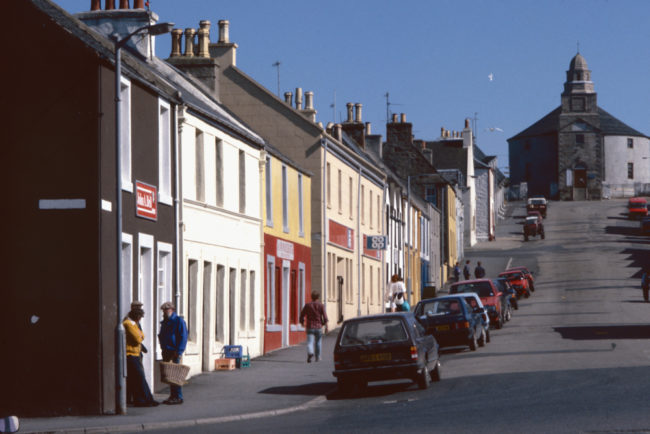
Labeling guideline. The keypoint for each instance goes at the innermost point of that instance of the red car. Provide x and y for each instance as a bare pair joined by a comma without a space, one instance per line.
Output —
637,207
527,273
490,296
519,282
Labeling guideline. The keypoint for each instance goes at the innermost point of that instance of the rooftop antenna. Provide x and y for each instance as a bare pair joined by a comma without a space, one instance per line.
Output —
388,104
474,124
277,65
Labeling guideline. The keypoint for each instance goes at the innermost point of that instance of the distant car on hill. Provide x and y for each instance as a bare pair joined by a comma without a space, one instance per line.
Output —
637,207
537,203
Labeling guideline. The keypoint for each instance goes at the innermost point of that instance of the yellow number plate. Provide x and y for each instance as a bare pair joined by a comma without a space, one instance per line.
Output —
442,327
375,357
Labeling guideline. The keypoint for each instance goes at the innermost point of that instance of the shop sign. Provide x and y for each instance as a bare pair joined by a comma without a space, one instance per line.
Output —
146,201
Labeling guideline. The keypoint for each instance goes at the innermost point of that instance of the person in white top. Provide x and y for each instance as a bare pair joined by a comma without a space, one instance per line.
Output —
395,287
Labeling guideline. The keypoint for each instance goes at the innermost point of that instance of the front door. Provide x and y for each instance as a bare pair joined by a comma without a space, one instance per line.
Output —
285,302
579,184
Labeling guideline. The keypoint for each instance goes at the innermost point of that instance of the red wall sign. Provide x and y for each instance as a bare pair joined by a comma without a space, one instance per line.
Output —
146,201
341,235
370,252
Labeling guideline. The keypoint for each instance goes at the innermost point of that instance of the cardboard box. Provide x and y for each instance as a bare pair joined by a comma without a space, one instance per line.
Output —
224,364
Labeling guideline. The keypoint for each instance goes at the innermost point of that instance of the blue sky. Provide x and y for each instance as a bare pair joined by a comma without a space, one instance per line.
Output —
435,57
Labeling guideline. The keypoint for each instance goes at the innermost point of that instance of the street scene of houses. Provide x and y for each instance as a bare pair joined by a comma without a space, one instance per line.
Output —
182,179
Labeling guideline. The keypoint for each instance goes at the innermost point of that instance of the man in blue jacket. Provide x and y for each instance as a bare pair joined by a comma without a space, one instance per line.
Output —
173,339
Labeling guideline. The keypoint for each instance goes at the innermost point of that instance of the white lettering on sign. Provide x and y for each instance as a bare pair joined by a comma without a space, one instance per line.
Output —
284,250
145,201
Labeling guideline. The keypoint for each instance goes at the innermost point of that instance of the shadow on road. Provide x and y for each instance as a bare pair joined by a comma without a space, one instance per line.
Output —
301,389
622,230
581,333
372,390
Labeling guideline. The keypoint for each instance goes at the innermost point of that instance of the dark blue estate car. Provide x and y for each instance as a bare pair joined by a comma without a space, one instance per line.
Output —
451,321
384,347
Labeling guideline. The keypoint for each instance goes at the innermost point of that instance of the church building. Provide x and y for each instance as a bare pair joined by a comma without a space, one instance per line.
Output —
579,151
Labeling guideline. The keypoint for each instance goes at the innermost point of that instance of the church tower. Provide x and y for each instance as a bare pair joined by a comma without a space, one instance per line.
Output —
579,140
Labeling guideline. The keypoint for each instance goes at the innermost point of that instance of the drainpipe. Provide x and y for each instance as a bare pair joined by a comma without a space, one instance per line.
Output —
359,242
179,215
262,170
383,259
324,223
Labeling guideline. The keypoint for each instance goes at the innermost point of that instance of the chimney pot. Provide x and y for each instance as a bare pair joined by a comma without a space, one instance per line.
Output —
402,117
299,98
358,106
288,96
138,4
466,122
189,42
394,118
338,130
329,126
95,5
109,5
320,125
442,131
124,4
224,36
204,38
368,129
177,35
309,100
350,107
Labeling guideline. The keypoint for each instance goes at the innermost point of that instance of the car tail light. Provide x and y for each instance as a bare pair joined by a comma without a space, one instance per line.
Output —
461,325
414,352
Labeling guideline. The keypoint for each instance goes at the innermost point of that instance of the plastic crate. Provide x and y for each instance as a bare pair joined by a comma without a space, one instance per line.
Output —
233,351
244,361
224,364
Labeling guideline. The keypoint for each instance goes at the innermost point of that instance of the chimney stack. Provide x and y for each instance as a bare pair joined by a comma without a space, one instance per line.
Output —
394,118
95,5
110,5
189,42
138,4
298,98
124,4
224,51
309,112
403,118
224,36
350,107
288,97
358,106
204,38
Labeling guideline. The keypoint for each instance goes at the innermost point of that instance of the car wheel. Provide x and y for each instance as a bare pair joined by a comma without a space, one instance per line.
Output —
499,323
473,345
532,287
525,237
344,386
424,379
542,235
483,340
435,373
516,305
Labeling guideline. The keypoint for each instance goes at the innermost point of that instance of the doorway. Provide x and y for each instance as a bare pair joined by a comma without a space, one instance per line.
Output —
231,306
145,295
207,307
580,183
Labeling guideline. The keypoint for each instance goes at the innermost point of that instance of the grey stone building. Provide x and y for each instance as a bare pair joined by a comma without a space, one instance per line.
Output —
579,151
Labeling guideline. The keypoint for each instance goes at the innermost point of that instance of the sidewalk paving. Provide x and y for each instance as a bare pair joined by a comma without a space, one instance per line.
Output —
276,383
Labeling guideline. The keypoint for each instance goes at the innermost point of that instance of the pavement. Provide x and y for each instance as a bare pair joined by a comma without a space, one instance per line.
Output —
276,383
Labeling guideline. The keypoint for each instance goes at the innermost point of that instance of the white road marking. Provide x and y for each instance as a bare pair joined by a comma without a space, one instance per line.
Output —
509,262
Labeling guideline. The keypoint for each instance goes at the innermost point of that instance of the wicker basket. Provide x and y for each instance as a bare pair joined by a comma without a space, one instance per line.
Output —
173,373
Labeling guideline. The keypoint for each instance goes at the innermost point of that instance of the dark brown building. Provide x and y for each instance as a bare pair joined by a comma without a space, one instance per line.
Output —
59,213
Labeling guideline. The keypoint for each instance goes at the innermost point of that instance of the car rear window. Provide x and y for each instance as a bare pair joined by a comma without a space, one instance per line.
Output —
483,289
446,307
374,331
538,202
531,220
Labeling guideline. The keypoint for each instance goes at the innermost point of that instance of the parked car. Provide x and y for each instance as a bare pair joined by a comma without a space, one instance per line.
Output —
475,303
527,273
533,226
538,203
384,347
645,225
490,296
509,292
452,321
637,207
518,281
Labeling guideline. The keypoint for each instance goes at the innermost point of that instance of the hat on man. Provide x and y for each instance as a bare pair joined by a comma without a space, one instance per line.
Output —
167,305
135,304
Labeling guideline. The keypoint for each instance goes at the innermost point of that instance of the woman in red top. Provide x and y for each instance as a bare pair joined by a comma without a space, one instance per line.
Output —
313,318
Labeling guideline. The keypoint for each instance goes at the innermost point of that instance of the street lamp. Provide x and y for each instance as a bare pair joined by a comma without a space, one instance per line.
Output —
156,29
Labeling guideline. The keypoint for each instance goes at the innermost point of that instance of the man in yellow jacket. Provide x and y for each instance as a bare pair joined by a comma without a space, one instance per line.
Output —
136,383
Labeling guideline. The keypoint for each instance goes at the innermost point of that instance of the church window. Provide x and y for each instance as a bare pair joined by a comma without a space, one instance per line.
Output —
580,139
630,143
630,170
577,104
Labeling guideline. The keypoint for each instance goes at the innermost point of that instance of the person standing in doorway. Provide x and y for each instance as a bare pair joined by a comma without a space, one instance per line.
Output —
466,273
313,317
479,271
136,382
173,340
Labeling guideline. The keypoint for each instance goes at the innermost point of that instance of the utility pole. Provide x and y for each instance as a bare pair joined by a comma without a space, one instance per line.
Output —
277,65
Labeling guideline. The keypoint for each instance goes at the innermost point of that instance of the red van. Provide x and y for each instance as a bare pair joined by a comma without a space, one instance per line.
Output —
637,207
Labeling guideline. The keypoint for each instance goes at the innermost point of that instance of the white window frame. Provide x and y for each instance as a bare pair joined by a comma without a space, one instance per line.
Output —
127,272
269,193
164,287
126,156
251,300
270,295
164,153
285,199
301,215
243,296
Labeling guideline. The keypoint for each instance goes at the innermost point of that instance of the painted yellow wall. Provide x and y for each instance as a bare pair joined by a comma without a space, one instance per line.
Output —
451,245
277,229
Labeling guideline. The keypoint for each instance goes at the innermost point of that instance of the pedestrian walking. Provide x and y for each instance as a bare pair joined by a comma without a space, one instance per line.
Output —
645,282
401,305
173,340
395,287
136,383
479,271
457,272
466,272
313,317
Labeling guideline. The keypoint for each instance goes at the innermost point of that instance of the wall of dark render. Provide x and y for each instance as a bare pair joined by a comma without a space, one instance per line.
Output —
540,154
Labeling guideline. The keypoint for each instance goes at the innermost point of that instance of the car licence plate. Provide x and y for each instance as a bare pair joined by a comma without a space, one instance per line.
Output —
375,357
442,327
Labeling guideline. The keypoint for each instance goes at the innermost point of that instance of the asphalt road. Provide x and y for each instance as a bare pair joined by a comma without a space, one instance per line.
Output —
574,358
